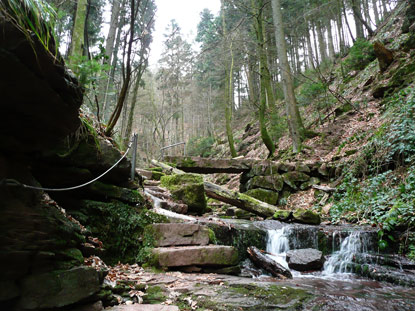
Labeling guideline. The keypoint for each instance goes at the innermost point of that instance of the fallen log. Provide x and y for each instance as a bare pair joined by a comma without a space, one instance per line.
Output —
240,200
167,168
222,194
269,265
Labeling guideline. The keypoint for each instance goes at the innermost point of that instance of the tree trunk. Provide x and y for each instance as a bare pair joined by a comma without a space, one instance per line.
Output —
358,17
265,84
376,12
77,42
321,41
266,263
228,87
347,21
340,29
295,123
331,45
360,34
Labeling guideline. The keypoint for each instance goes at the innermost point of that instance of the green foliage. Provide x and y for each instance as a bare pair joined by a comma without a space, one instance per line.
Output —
384,200
200,146
361,54
88,70
31,17
277,126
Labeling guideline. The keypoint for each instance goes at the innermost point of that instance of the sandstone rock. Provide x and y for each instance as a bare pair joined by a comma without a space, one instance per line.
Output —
212,255
179,234
143,307
305,259
291,178
301,167
384,56
313,181
264,195
96,306
188,188
272,182
305,216
113,192
58,288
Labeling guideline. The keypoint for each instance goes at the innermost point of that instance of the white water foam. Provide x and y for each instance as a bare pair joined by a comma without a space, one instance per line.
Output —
340,261
277,245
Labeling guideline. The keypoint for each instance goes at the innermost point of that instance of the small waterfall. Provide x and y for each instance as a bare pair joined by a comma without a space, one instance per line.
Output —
339,262
278,245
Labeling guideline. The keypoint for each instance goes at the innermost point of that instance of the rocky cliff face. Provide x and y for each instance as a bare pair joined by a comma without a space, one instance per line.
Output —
40,257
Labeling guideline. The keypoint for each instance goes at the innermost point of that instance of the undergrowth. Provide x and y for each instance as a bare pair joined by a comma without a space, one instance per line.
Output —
386,196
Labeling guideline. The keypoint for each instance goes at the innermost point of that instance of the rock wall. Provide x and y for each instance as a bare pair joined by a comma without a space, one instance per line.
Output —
274,183
43,143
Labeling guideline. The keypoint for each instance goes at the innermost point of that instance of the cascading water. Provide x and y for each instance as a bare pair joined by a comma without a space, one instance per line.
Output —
340,262
278,245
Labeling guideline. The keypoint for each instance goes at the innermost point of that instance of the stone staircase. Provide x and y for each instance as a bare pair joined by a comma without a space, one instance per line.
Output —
185,247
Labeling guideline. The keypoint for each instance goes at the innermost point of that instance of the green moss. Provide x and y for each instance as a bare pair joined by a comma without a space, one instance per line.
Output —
272,182
212,237
188,188
282,215
118,193
154,295
157,175
306,216
119,226
267,196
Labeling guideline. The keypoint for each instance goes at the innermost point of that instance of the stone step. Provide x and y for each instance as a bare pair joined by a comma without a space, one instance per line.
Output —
210,255
179,234
138,307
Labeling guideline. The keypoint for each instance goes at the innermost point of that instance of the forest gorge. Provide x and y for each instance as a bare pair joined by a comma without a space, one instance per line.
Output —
273,165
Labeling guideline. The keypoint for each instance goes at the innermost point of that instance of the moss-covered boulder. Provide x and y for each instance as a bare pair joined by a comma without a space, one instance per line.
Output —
114,192
264,195
311,182
189,189
294,177
306,216
58,288
282,215
271,182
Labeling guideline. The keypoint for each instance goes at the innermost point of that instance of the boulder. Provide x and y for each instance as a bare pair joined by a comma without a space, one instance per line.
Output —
58,288
271,182
384,56
211,255
307,259
189,189
107,191
178,234
282,215
306,216
291,178
264,195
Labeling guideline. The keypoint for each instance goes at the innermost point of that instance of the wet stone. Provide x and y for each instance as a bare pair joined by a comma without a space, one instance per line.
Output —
307,259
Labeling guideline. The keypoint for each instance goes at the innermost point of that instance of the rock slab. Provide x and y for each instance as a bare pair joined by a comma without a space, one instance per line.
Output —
138,307
307,259
211,255
179,234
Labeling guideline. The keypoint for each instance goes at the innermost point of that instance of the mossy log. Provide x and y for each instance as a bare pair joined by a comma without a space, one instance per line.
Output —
222,194
240,200
269,265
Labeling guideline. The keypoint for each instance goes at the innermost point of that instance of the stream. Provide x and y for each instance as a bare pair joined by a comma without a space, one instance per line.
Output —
337,287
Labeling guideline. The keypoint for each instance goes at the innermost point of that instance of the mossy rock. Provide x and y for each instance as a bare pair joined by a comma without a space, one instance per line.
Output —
306,216
189,189
119,226
313,181
157,175
242,214
282,215
291,178
272,182
264,195
114,192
